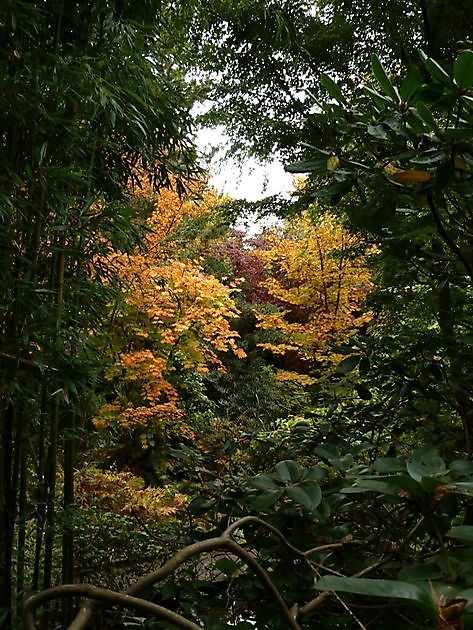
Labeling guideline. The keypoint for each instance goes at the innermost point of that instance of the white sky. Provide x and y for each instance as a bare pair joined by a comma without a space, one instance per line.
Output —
251,180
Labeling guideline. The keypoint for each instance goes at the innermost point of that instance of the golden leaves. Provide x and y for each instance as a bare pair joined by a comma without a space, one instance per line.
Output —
318,279
124,493
174,312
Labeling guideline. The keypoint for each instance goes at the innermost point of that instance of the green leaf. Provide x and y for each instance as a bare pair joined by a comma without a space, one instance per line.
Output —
406,483
200,505
347,365
463,467
383,79
288,471
468,100
420,572
426,116
436,71
265,500
433,156
459,134
332,88
461,487
411,84
429,484
389,464
227,566
387,589
463,69
364,366
314,474
379,100
335,189
308,495
425,463
262,483
363,392
371,485
462,532
307,166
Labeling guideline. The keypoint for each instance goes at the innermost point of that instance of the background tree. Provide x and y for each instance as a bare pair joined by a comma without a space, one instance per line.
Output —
263,59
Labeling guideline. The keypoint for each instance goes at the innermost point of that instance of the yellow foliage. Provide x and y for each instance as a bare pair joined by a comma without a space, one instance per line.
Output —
402,176
123,493
174,309
286,376
319,280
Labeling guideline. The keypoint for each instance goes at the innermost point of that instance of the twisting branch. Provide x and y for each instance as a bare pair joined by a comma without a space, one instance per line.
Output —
101,595
222,542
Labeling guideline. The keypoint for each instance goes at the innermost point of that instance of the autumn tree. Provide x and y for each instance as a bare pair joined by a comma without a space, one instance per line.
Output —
173,323
317,276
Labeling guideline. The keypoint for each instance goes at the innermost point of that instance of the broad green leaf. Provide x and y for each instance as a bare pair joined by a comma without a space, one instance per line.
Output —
347,365
308,495
436,71
463,69
262,483
373,485
336,188
462,532
425,463
389,464
468,100
387,589
426,115
327,451
383,79
420,572
379,100
461,487
288,471
307,166
265,500
332,455
363,392
411,84
226,565
429,484
430,157
463,467
199,505
314,474
378,132
406,483
332,88
364,365
459,134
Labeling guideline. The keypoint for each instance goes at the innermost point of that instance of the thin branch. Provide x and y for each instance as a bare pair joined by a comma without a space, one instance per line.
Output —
321,597
446,237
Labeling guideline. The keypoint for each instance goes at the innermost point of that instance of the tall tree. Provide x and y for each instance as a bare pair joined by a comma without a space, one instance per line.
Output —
89,93
264,58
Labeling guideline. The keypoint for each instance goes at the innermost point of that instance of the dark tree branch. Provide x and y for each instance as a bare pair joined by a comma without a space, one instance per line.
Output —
101,595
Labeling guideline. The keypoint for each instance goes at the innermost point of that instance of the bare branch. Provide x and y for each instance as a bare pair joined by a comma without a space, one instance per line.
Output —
102,595
212,544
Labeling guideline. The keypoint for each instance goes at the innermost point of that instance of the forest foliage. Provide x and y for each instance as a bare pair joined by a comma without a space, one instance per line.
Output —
202,428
